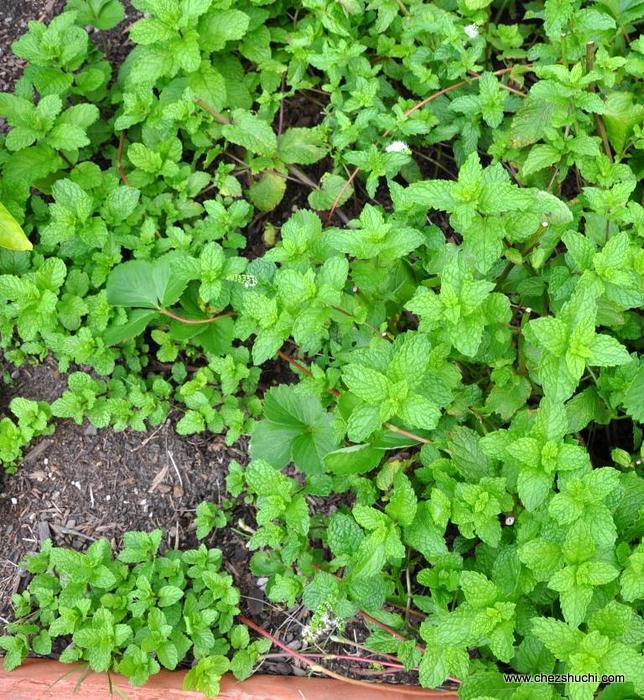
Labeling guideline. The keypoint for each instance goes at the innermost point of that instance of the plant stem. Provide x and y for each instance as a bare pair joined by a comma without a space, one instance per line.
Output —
372,620
406,433
345,657
194,321
401,7
217,116
599,122
327,672
66,159
303,369
119,159
411,611
357,645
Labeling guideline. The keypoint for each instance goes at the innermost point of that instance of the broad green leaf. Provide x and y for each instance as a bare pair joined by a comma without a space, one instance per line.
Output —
142,284
621,115
295,427
356,459
267,192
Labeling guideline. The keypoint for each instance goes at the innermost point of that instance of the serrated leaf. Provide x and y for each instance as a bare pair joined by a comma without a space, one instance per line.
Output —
251,132
530,122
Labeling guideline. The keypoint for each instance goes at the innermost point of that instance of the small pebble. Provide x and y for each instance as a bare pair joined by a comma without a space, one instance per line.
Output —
14,501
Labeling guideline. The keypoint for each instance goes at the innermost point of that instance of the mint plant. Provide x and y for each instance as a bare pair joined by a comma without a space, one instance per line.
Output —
398,245
133,613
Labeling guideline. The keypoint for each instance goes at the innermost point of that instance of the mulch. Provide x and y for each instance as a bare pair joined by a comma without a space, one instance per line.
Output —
80,484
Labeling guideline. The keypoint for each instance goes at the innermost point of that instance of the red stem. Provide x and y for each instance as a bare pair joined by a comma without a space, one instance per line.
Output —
303,369
368,618
349,657
409,690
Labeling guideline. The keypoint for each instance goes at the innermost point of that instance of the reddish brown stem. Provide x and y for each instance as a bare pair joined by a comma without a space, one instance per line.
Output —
343,189
327,672
368,618
119,159
409,611
194,321
303,369
349,657
449,88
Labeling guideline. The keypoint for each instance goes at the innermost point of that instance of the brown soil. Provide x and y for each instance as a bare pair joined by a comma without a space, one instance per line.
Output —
80,484
14,16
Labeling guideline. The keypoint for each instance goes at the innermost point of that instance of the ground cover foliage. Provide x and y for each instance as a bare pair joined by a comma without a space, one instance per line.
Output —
460,299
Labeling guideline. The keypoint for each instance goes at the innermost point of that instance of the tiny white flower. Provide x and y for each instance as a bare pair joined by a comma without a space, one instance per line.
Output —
398,147
471,30
545,224
509,520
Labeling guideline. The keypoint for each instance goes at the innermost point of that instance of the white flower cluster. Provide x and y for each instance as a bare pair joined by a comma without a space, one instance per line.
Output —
398,147
471,30
319,626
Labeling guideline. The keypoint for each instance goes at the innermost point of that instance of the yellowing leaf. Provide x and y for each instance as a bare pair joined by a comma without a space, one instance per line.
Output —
11,234
267,192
